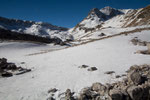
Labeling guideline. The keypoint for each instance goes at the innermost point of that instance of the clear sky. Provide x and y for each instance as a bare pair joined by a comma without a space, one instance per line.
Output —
65,13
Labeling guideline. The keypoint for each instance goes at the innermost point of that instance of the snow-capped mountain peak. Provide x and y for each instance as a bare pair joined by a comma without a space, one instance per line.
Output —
96,13
41,29
96,18
110,12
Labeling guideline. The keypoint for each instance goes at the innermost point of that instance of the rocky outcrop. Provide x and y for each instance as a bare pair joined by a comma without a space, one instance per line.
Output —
139,42
10,69
140,17
136,86
96,18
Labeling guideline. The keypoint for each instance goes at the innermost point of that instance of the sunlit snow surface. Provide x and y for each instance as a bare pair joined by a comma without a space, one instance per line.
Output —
59,69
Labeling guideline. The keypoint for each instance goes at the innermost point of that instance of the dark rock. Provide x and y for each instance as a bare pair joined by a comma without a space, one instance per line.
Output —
118,76
58,41
135,41
7,74
92,69
123,75
3,61
23,71
50,98
98,87
11,66
144,43
116,94
22,62
87,94
146,92
69,95
135,77
109,72
52,90
135,92
83,66
102,34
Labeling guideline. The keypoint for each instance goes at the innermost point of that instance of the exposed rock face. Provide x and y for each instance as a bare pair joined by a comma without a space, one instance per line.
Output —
110,12
140,17
103,18
96,12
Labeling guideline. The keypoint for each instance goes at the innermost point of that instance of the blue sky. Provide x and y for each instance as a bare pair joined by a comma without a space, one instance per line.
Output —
65,13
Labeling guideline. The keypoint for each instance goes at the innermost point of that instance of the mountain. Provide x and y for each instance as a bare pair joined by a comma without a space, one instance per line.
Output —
39,29
108,17
96,18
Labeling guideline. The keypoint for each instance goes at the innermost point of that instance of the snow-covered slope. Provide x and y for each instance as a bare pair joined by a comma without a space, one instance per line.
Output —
59,69
34,28
111,18
95,19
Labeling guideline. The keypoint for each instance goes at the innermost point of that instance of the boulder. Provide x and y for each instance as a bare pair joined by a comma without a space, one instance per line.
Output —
6,74
135,41
3,63
83,66
148,46
53,90
92,69
144,43
69,95
117,76
116,94
87,94
135,92
109,72
50,98
146,92
102,34
11,66
98,87
135,77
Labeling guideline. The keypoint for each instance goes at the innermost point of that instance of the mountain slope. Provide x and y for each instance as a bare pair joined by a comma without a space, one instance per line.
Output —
60,69
96,18
34,28
108,17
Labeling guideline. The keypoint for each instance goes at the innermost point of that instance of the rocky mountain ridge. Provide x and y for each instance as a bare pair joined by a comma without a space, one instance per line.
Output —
96,19
108,17
39,29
